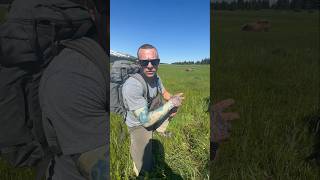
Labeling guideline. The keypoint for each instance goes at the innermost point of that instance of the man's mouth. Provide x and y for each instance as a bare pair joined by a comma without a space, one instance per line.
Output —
150,72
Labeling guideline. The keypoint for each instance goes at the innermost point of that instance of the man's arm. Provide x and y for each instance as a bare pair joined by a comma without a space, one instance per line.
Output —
150,118
166,95
220,124
132,92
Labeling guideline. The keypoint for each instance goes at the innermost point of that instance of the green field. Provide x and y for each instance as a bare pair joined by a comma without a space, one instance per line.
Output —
274,78
186,154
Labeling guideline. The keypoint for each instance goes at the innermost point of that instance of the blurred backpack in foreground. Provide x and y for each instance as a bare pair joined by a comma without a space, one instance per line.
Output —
32,35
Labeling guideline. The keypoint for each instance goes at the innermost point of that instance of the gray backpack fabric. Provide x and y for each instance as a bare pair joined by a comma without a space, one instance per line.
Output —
33,28
120,71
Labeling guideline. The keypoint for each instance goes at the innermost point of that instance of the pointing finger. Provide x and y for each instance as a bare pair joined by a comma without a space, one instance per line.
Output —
230,116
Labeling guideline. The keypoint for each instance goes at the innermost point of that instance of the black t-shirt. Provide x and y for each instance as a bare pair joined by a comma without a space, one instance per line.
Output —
73,99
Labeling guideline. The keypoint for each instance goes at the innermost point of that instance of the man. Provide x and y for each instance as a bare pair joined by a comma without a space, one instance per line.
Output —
147,115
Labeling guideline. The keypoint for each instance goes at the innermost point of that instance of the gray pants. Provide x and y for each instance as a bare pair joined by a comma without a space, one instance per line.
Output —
141,146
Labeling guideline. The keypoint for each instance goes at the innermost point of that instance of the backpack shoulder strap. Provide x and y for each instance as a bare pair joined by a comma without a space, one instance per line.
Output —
138,77
159,88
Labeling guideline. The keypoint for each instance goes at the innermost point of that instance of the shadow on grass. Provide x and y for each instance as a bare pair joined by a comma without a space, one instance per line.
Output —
313,123
161,169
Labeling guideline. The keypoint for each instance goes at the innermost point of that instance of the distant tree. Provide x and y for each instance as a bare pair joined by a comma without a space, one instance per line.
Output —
185,62
240,4
265,4
283,4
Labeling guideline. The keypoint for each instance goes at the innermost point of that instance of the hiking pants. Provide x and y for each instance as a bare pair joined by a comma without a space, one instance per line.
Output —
141,146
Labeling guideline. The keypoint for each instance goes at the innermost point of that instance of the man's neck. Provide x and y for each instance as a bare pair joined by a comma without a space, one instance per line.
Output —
149,80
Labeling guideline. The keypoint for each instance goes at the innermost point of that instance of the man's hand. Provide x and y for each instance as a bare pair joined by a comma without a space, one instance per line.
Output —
220,121
173,112
220,124
177,99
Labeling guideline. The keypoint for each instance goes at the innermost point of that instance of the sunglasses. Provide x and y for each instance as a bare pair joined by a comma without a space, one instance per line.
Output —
154,62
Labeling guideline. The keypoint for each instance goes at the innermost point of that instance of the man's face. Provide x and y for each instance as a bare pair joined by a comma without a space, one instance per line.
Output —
149,61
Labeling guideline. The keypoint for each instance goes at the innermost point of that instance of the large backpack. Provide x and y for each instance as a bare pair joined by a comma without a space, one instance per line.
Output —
34,32
33,29
121,70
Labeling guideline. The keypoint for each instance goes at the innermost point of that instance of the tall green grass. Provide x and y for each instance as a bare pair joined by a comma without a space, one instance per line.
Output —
186,154
274,78
7,172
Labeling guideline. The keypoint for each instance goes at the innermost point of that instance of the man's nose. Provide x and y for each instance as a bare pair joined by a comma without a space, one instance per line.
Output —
150,65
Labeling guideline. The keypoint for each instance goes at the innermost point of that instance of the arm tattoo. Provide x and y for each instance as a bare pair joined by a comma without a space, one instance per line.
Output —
149,118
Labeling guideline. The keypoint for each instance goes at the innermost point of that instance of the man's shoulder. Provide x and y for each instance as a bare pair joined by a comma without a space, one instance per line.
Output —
132,82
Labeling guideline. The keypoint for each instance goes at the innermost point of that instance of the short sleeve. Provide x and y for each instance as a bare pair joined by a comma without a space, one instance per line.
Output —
132,92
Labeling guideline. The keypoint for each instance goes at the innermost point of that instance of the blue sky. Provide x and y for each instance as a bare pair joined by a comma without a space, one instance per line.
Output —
180,29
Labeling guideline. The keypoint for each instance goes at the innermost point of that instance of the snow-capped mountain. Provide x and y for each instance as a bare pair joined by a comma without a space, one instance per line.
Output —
115,55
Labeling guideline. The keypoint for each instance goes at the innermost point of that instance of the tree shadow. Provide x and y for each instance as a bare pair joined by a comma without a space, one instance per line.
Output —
160,169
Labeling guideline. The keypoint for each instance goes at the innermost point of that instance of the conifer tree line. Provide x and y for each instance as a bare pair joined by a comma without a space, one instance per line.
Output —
265,4
202,61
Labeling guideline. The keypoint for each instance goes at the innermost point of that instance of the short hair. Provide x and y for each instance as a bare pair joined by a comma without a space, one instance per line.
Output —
146,46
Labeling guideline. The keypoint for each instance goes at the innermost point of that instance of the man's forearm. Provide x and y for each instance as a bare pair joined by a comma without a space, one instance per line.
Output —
150,118
166,95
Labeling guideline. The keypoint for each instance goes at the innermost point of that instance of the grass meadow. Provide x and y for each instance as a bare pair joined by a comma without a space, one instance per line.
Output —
274,78
186,154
